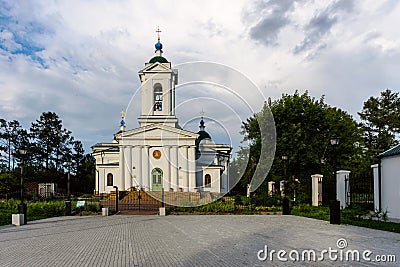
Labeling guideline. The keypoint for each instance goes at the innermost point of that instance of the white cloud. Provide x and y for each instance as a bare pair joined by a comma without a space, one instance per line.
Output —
84,56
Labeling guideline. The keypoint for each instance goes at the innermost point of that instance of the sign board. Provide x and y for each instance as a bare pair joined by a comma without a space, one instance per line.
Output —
80,204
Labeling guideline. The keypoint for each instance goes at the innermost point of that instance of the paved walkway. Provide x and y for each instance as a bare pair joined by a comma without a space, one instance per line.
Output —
185,241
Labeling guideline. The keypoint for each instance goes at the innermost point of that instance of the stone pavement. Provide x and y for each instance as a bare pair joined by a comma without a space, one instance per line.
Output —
191,240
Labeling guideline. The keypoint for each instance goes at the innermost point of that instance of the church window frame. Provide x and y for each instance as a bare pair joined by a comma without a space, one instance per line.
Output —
110,179
158,97
207,180
156,175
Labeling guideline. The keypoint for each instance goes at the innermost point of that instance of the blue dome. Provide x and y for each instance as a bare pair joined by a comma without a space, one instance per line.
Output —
158,46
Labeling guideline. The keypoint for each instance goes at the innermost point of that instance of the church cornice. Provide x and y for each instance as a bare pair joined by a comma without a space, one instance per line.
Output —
148,128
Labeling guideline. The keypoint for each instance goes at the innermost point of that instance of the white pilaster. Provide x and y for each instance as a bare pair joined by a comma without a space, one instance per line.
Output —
138,165
121,181
192,168
185,168
145,169
128,170
174,168
167,176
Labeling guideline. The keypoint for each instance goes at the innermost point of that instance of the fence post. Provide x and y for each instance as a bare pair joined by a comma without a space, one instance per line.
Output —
271,188
375,170
317,189
343,188
162,208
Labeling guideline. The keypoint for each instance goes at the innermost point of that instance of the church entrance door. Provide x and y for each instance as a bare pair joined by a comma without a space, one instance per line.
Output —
157,177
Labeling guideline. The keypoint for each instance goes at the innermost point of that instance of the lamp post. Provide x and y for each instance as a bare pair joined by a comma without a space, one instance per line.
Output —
116,198
285,200
334,203
284,159
69,178
22,206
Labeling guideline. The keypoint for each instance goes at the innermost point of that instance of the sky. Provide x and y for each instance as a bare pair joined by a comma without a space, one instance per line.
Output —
81,59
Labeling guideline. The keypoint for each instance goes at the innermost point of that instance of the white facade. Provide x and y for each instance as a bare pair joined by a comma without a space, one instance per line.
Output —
389,191
159,154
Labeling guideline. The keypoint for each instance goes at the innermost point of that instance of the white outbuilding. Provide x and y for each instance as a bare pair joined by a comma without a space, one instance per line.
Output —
387,182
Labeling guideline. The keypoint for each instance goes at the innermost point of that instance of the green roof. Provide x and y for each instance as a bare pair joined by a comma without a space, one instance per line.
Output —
391,152
158,59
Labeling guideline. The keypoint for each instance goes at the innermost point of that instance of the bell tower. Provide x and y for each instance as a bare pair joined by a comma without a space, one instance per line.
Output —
158,82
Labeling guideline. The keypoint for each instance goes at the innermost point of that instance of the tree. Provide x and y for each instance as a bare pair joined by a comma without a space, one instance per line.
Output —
8,183
49,140
12,138
304,126
52,147
85,174
381,122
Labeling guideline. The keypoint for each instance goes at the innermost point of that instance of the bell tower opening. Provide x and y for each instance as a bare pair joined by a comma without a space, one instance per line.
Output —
158,81
158,95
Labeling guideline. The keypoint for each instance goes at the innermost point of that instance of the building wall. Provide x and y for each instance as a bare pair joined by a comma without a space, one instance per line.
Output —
101,178
391,186
176,162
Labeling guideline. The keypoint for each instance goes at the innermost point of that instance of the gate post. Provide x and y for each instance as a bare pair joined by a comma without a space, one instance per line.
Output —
271,188
343,188
375,170
317,189
162,208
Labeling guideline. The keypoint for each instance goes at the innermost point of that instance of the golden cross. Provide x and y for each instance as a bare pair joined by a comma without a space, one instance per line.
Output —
123,114
158,32
202,113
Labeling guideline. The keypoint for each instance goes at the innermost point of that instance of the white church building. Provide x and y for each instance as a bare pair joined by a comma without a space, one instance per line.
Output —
160,155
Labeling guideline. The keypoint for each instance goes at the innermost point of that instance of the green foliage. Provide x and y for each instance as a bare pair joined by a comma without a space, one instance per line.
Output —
45,209
8,183
35,210
304,126
355,216
261,198
50,147
381,122
306,210
218,206
241,200
12,138
93,207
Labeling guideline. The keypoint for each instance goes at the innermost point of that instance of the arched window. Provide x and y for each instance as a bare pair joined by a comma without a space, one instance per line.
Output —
158,97
110,179
207,180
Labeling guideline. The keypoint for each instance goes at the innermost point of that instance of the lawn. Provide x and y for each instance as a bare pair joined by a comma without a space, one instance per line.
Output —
41,209
354,216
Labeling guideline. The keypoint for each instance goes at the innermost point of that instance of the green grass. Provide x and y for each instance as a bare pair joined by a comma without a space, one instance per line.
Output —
41,210
321,213
354,216
223,206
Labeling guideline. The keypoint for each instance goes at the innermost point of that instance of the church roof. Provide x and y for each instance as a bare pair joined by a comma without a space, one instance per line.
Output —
153,127
158,59
203,135
391,152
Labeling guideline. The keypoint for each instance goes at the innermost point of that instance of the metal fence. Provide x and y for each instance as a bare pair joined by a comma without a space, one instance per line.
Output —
362,191
153,200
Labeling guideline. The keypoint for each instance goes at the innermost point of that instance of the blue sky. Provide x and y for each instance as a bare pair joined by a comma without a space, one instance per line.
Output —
80,58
